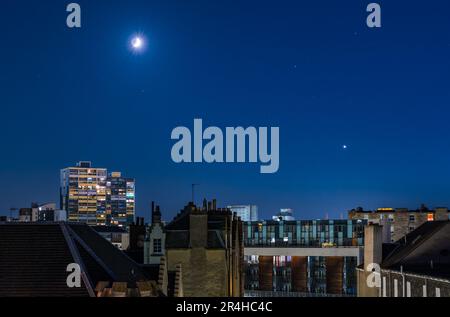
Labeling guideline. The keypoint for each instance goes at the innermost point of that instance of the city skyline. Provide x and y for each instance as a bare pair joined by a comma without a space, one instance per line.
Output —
362,112
169,214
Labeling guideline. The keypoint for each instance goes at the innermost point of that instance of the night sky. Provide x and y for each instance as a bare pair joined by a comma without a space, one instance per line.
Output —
313,68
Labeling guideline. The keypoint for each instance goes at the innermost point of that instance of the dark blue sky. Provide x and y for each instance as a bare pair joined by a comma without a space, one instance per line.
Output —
313,68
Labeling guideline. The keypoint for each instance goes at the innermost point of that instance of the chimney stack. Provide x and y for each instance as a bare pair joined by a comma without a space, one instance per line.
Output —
156,213
373,244
198,230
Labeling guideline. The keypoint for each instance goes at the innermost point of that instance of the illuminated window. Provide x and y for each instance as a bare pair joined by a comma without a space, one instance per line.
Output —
430,217
260,226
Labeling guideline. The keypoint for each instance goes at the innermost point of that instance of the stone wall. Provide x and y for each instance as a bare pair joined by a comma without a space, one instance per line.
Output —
204,271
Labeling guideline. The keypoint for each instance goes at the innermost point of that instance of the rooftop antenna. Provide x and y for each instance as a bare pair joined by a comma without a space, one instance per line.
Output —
193,192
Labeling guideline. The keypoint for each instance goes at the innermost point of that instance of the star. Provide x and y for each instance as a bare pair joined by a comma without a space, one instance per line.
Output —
344,146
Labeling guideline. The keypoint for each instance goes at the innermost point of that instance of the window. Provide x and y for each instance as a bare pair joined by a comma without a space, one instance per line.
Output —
395,288
412,218
260,227
157,248
430,217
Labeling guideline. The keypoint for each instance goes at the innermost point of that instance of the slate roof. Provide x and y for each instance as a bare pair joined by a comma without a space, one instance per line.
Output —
120,266
177,231
33,261
179,239
34,258
425,250
109,229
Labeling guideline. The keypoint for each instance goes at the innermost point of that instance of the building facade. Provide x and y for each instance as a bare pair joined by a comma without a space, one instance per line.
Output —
83,193
118,236
245,212
207,244
90,196
302,258
416,266
285,214
401,220
155,241
42,213
120,200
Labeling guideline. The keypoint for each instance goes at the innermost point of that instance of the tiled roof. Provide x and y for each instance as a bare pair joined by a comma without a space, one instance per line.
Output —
120,266
179,239
425,250
177,231
109,229
34,259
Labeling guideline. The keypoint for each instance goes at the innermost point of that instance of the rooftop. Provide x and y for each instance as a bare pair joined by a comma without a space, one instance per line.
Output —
425,250
35,257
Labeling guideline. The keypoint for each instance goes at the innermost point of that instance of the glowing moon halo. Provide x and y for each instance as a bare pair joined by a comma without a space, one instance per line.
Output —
136,42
